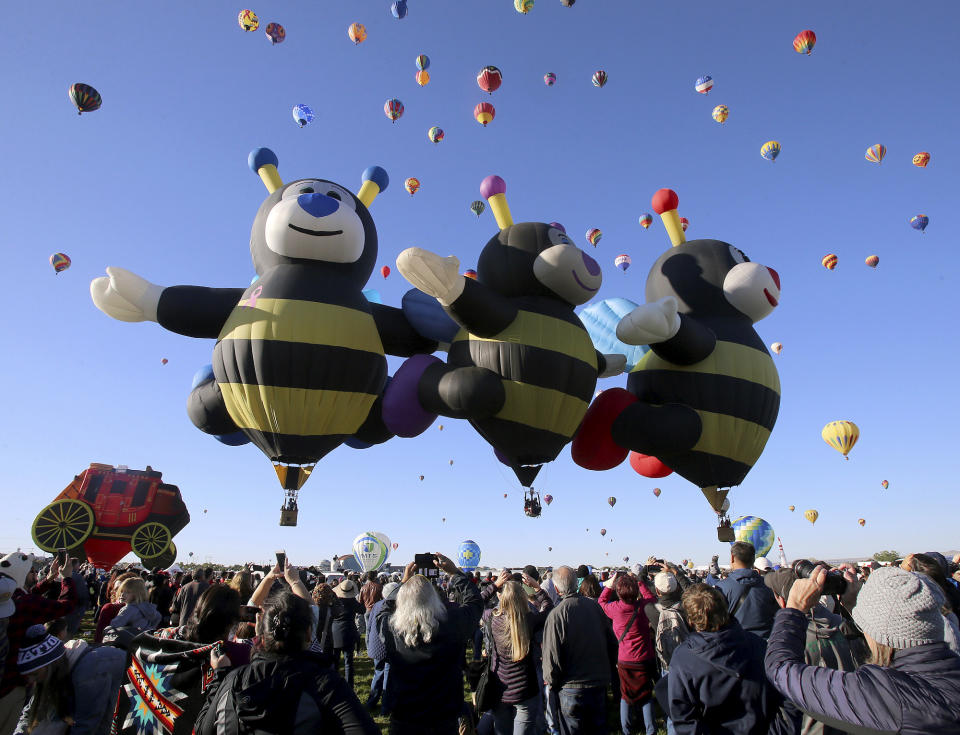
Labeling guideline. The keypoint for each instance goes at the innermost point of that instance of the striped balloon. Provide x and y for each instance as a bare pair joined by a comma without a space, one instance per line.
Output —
875,153
549,78
599,78
393,109
593,236
704,84
60,262
770,150
422,62
756,531
422,77
873,261
829,261
646,220
919,222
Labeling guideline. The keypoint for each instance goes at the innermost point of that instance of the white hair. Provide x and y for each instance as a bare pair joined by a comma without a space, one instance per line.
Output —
419,612
564,580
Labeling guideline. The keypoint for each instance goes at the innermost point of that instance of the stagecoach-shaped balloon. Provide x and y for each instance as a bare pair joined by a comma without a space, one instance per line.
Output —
106,512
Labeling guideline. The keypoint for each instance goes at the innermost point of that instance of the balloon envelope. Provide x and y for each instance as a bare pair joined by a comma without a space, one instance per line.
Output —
468,555
550,79
756,531
599,78
275,32
60,262
804,42
721,113
370,551
357,32
490,78
302,115
84,97
612,501
919,222
770,150
921,159
841,435
422,62
704,84
811,515
875,153
411,185
248,21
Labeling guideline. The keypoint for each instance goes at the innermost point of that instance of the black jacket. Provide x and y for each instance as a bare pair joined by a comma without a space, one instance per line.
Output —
285,695
344,629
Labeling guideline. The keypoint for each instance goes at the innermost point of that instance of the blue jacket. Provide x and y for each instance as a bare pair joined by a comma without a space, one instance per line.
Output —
375,648
918,694
758,606
717,685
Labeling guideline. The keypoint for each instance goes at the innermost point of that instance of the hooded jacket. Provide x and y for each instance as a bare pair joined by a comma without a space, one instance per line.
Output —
717,685
918,694
138,616
283,695
750,600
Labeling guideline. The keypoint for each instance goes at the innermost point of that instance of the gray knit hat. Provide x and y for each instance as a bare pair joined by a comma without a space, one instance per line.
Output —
900,609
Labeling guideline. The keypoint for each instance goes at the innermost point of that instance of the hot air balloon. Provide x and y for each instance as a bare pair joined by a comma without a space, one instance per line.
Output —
656,492
626,559
451,463
443,520
704,84
921,159
504,495
421,478
393,109
791,508
548,499
275,32
370,551
777,347
164,361
862,521
549,78
770,150
611,501
603,532
885,484
423,78
875,153
549,548
489,79
647,466
684,223
357,33
470,273
385,271
622,262
60,262
523,6
395,545
422,62
477,207
829,261
302,115
593,236
468,555
411,185
804,42
435,134
872,260
721,113
811,515
756,531
399,9
841,435
646,220
84,97
248,20
567,3
599,78
484,113
919,222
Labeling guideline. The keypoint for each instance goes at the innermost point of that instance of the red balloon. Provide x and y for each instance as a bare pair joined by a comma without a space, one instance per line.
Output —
593,447
648,466
385,271
664,200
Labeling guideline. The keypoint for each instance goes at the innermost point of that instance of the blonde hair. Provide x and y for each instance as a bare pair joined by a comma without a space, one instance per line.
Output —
115,595
136,587
880,654
513,608
419,611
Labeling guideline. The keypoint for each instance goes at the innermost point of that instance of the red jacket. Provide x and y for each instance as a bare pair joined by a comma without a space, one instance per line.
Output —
637,644
33,608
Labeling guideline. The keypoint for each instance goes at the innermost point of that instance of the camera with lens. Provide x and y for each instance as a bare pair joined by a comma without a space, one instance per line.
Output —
834,584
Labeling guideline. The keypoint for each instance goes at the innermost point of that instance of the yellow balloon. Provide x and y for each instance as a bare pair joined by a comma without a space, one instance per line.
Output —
811,515
841,435
792,508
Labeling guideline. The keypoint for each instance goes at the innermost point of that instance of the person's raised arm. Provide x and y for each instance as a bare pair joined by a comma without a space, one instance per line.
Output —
262,592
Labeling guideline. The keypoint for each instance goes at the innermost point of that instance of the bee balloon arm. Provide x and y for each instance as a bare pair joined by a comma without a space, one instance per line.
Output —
692,343
481,310
197,311
398,335
610,365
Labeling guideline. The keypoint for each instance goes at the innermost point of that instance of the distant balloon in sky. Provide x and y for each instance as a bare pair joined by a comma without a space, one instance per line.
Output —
829,261
248,20
872,260
484,113
393,109
704,84
603,532
84,97
423,78
567,3
477,207
385,271
721,113
593,236
399,9
875,153
611,501
646,219
599,78
684,223
60,262
804,42
490,78
921,159
656,492
422,62
395,545
919,222
411,185
777,347
275,32
811,515
548,499
885,484
302,115
523,6
622,262
841,435
862,521
435,134
549,78
791,508
770,150
357,32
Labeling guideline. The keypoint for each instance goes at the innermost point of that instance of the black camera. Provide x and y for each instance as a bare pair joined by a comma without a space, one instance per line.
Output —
834,584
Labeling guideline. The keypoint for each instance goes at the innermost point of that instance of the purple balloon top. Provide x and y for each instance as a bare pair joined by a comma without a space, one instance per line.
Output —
558,226
492,185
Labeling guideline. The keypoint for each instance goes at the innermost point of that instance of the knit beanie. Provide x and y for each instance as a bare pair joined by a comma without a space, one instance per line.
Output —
38,649
900,609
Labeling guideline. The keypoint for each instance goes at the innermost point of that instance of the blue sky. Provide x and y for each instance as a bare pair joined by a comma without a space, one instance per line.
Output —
157,182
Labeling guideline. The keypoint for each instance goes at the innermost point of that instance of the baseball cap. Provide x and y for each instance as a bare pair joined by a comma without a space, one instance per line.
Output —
763,564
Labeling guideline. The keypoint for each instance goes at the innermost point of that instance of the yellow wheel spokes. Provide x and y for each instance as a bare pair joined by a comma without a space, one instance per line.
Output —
63,524
150,540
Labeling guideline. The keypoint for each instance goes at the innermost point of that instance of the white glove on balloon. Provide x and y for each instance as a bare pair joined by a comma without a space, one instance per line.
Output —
126,296
436,276
616,364
650,323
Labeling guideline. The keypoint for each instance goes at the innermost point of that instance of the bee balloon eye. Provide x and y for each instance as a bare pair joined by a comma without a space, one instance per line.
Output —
333,195
307,190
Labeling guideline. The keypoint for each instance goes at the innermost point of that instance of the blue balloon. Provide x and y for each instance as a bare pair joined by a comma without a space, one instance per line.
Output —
372,295
302,115
755,530
468,555
427,316
399,9
601,321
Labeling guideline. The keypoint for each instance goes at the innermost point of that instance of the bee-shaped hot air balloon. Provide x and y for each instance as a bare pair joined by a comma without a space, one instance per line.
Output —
521,368
299,361
705,398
